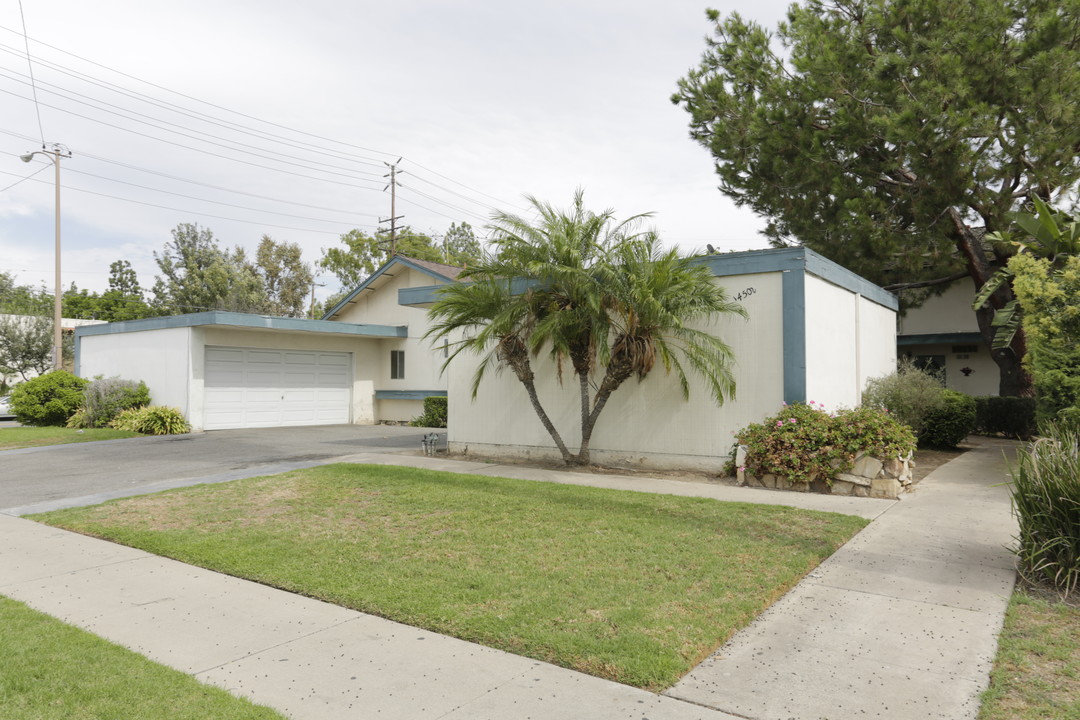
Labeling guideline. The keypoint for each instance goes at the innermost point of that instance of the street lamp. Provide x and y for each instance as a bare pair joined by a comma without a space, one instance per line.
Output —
58,151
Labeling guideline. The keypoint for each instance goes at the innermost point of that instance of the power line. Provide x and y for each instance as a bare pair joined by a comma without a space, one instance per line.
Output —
196,212
262,134
204,102
234,146
30,64
40,169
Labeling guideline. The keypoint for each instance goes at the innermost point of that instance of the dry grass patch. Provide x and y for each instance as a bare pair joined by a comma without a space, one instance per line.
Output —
630,586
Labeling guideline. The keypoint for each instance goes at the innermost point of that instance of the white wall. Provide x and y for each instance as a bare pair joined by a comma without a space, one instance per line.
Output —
832,357
949,312
644,424
984,378
160,358
877,342
423,361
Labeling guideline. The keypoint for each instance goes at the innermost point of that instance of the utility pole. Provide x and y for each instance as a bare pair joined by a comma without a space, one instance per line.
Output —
58,151
394,217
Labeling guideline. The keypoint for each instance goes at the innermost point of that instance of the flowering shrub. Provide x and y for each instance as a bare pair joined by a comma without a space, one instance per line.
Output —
803,442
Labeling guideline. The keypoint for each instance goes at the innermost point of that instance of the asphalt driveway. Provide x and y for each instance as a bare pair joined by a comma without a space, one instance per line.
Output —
57,476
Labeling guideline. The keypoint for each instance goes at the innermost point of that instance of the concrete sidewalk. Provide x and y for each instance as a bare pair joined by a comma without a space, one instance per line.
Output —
901,623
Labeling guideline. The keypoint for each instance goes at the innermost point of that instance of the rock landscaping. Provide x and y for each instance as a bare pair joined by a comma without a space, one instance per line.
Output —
869,477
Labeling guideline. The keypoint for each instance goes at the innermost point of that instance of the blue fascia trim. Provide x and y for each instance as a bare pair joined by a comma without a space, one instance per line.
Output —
793,285
418,296
396,260
959,338
797,258
408,394
243,320
839,275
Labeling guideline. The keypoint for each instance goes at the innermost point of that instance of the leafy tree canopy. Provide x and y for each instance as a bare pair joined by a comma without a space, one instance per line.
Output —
362,254
886,134
198,275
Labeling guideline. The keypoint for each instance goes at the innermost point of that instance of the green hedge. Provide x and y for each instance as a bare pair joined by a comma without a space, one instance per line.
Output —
946,426
48,399
435,413
1010,416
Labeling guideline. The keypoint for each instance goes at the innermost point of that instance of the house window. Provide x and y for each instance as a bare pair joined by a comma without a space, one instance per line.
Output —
397,364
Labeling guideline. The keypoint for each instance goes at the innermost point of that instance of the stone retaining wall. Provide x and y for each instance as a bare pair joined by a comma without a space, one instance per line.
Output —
870,477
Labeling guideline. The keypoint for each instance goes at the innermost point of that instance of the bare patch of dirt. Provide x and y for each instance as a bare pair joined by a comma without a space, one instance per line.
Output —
926,461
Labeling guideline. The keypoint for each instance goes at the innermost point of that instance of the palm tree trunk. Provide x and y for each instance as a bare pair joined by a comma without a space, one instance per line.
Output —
616,374
526,379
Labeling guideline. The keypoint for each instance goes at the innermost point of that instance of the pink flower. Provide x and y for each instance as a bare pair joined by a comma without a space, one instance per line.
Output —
779,423
791,420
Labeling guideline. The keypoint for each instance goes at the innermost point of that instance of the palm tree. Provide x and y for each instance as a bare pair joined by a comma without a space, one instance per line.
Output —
597,294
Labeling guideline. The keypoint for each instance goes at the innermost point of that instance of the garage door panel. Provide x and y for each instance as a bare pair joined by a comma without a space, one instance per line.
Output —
224,355
296,359
272,357
270,388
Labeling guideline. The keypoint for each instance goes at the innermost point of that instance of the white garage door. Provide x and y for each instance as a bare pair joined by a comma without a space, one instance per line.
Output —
248,388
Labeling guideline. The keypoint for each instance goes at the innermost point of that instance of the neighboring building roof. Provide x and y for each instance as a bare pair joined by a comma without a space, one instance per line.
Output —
243,320
437,271
739,263
448,271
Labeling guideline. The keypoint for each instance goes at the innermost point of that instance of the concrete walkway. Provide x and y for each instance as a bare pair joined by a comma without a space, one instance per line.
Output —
901,623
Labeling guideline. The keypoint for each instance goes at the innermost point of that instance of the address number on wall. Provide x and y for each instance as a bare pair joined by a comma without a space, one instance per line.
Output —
745,294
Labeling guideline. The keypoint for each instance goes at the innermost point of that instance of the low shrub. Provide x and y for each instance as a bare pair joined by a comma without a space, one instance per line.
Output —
1009,416
909,394
152,420
435,413
1046,499
803,442
105,398
947,425
48,399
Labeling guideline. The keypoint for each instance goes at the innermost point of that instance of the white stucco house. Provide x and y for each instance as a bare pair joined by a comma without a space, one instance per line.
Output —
364,362
816,331
943,333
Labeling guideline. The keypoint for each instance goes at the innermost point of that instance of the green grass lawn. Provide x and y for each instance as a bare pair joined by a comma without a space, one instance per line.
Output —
24,437
1036,674
53,671
634,587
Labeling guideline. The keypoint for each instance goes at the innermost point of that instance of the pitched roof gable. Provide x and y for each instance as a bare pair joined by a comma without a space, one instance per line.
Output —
438,271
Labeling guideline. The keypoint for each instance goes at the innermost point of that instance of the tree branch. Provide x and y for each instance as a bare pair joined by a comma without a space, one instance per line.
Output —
927,283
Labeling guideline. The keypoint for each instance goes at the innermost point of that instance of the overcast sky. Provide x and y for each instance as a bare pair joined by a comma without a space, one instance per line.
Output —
268,117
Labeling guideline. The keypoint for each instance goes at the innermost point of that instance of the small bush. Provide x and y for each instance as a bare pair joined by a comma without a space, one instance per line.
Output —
152,420
1046,498
105,398
909,394
803,442
1009,416
948,425
435,413
48,399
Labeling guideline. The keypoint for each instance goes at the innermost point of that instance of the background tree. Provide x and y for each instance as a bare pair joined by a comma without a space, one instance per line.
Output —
593,294
362,254
198,275
124,300
460,245
890,134
286,277
26,345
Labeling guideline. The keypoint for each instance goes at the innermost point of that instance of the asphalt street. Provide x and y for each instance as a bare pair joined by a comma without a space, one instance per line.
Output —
47,478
